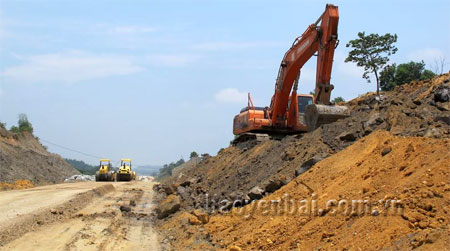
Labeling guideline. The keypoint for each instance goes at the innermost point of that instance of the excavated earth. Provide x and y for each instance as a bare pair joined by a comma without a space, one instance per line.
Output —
22,157
419,110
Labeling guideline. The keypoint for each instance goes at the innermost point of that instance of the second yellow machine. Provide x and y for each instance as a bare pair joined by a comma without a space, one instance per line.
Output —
125,173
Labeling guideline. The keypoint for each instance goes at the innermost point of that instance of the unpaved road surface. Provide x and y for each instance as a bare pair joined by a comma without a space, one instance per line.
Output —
78,216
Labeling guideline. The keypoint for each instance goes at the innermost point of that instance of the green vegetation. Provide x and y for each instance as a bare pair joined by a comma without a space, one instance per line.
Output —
393,75
82,166
166,171
3,125
193,154
371,52
337,100
23,125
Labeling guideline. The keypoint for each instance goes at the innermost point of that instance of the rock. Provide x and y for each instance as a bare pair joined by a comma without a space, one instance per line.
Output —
434,133
274,185
375,213
168,206
386,151
234,248
194,220
170,189
442,94
185,183
307,165
184,192
256,193
201,215
53,211
445,119
374,120
347,136
125,208
132,203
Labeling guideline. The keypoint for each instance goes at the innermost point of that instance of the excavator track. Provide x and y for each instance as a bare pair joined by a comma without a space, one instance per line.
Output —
317,115
244,137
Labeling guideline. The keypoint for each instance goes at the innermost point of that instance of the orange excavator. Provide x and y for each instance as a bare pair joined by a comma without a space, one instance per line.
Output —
289,112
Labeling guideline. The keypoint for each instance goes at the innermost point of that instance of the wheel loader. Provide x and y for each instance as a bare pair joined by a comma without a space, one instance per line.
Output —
105,172
125,173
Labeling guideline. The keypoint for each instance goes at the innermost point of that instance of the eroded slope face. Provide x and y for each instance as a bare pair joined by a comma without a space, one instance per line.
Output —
22,157
415,109
404,182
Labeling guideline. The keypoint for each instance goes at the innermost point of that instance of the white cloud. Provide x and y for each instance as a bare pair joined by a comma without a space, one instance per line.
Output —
231,96
172,60
213,46
429,55
132,29
69,67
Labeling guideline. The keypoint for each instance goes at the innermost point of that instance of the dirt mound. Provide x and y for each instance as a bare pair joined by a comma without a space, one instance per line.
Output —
416,109
379,169
260,169
23,157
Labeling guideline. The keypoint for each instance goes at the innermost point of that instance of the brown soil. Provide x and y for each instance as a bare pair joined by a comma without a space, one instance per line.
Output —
22,157
416,172
410,110
111,216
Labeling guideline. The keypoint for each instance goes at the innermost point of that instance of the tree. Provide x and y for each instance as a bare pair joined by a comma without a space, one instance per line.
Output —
24,124
393,75
371,52
337,100
3,125
439,65
193,155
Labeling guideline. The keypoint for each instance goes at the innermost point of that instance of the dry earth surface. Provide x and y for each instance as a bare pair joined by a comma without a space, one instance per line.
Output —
78,216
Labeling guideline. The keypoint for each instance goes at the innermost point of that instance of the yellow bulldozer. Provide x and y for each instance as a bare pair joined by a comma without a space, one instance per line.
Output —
125,173
105,172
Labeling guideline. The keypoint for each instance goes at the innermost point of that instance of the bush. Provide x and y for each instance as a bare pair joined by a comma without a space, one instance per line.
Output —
338,100
3,125
14,129
193,155
393,75
24,124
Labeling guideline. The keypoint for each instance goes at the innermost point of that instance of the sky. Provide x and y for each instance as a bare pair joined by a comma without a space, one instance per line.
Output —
155,80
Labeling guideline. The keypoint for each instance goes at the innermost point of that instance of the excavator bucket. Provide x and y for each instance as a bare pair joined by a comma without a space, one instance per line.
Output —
316,115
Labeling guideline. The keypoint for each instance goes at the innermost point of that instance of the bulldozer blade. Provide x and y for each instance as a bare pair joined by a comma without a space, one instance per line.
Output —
317,115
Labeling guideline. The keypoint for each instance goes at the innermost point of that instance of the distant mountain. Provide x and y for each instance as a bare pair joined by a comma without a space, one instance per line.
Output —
147,170
82,166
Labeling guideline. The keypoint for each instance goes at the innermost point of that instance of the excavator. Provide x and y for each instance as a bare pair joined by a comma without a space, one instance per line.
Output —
289,112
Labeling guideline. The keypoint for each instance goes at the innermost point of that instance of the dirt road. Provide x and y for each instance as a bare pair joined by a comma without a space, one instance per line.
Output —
78,216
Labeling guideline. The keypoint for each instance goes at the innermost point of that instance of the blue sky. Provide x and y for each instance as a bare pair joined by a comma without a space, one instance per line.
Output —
154,80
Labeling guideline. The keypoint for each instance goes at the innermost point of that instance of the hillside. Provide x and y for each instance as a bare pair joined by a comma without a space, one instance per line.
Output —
82,167
23,157
250,171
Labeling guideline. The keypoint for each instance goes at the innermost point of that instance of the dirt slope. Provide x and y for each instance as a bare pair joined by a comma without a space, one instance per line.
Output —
415,171
416,109
23,157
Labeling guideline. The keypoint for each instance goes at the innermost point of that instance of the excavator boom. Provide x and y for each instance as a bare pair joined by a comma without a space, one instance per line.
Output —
291,113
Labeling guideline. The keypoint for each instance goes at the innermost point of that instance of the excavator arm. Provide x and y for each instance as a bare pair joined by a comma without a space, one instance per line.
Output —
320,39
